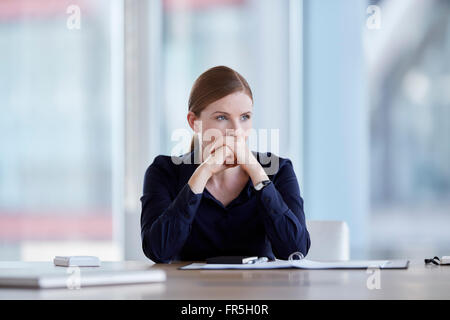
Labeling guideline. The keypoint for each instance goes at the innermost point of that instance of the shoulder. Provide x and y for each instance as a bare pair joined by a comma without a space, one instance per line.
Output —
161,162
160,175
174,170
169,162
272,164
161,167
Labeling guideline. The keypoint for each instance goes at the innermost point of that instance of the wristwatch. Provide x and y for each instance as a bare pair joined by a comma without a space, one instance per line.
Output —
262,184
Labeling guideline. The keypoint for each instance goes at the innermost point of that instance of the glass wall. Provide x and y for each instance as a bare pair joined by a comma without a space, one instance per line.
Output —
171,42
409,63
376,122
251,36
57,123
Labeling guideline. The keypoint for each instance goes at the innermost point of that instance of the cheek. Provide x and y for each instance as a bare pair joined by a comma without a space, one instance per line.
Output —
247,126
248,130
210,129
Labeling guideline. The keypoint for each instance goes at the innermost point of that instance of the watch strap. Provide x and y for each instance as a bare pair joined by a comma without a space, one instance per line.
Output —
262,184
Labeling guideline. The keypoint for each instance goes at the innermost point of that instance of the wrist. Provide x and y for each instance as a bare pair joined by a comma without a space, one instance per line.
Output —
261,185
199,179
257,174
204,171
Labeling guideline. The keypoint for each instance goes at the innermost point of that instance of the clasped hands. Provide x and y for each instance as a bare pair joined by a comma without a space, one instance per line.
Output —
229,151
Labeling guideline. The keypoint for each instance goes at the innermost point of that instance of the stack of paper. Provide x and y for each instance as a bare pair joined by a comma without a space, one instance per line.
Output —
306,264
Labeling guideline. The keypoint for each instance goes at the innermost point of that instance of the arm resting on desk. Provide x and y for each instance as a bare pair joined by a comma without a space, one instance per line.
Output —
165,222
284,220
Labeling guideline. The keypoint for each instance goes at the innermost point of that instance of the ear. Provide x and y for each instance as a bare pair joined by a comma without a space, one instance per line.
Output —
191,117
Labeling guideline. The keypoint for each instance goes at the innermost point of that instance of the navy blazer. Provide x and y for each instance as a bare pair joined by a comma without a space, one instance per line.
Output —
177,224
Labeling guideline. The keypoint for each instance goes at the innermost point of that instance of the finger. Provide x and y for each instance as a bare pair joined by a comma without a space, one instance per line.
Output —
220,155
222,141
218,142
230,141
211,147
230,157
224,155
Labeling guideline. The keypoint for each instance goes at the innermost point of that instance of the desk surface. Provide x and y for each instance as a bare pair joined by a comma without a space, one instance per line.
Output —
419,281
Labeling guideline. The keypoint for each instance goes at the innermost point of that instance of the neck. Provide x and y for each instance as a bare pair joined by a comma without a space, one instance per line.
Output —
227,174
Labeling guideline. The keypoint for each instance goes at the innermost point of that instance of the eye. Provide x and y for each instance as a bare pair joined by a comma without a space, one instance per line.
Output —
246,117
221,118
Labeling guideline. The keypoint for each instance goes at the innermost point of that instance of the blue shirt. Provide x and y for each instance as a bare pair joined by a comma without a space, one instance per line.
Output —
177,224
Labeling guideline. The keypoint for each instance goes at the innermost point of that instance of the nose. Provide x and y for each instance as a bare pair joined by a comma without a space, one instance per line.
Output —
235,131
235,128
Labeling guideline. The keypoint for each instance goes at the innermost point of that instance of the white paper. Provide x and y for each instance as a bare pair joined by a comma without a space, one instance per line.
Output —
58,279
76,261
354,264
301,264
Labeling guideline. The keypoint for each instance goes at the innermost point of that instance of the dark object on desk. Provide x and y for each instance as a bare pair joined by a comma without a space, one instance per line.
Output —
231,260
435,261
445,260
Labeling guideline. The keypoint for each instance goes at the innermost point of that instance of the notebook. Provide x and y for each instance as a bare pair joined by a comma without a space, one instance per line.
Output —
305,264
78,261
48,279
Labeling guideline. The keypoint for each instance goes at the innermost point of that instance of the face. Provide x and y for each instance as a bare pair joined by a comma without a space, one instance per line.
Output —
227,116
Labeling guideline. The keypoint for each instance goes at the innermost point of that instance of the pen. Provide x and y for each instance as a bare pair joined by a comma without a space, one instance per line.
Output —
258,260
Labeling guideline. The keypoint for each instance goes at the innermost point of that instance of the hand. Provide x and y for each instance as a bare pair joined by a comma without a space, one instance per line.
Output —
218,156
246,159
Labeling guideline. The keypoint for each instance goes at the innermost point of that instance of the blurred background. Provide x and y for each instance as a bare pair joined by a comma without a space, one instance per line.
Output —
92,90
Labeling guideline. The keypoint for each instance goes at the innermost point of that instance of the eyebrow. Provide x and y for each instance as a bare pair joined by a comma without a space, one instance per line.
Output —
228,113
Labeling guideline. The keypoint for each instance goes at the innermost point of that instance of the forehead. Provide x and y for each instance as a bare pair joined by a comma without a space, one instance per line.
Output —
237,102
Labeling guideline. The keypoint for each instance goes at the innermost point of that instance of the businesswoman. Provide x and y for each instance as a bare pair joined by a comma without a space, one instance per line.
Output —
221,201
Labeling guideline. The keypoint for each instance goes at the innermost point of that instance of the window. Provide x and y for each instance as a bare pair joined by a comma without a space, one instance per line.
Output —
59,123
410,129
250,36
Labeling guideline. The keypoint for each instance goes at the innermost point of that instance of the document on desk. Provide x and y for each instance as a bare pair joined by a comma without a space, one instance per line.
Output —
78,279
305,264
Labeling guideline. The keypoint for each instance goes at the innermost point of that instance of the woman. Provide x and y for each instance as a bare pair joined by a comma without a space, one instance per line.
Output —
224,203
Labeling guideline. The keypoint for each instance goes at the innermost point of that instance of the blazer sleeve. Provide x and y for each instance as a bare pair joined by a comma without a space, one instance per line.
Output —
166,217
282,208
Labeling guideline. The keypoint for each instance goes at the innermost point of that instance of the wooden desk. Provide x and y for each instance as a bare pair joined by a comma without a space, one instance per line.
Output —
417,282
